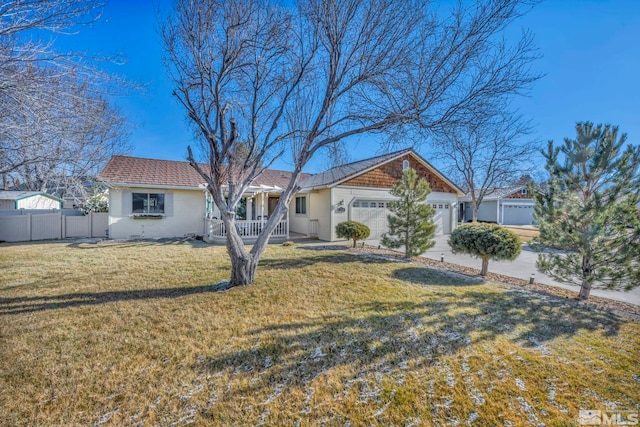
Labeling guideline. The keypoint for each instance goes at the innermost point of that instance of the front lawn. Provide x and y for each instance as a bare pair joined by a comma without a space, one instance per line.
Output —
133,334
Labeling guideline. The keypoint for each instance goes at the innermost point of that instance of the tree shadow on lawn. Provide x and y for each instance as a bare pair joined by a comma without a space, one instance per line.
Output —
139,243
431,276
389,337
331,258
17,305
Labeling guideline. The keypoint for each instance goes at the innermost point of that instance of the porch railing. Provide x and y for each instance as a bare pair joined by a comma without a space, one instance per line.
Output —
248,229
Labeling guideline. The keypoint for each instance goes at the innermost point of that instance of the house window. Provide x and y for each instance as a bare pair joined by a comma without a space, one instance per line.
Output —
356,204
523,191
301,205
405,165
148,203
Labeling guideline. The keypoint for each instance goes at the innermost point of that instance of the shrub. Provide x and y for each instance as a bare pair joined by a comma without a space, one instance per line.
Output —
485,241
352,230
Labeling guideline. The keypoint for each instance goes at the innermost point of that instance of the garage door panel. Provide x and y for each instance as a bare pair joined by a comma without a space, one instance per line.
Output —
374,215
517,214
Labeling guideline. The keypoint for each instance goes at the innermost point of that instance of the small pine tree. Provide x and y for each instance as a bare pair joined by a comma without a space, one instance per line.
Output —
485,241
411,224
590,211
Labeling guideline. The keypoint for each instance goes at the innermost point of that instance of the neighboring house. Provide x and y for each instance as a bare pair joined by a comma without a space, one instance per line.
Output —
29,200
161,198
508,206
72,190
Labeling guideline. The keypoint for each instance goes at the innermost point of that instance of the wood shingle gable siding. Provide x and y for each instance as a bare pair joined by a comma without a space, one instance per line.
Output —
518,195
386,176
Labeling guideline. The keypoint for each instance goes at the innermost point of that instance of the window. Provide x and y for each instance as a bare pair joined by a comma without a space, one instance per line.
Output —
381,205
405,165
523,191
356,204
148,203
301,205
365,204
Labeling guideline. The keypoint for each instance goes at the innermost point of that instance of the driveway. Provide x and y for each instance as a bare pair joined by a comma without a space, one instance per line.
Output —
521,268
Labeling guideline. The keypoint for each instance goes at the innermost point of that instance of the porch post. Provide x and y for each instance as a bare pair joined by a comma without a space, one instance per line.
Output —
249,206
498,211
287,223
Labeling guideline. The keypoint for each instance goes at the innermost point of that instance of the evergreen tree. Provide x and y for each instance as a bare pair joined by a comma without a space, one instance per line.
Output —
411,224
590,211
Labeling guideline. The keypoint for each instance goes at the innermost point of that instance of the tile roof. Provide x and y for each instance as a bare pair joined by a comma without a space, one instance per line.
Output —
171,173
339,173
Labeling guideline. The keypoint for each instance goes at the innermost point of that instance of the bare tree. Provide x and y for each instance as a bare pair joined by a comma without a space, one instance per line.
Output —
308,75
56,122
485,155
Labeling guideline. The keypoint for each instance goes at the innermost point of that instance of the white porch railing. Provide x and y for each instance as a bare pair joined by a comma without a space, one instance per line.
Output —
248,229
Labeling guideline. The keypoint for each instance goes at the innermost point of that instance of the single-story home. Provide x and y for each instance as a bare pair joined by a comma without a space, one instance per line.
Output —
29,200
161,198
507,205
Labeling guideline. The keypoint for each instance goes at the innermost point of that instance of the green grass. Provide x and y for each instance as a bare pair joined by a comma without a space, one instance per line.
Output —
121,334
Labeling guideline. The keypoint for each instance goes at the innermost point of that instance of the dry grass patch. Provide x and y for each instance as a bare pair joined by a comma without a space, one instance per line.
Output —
134,334
526,233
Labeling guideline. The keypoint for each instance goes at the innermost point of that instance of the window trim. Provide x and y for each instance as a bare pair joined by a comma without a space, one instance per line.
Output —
148,214
405,164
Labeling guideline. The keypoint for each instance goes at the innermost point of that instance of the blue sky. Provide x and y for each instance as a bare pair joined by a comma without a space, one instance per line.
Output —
591,62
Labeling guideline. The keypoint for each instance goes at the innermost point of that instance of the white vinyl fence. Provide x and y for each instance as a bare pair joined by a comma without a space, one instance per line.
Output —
35,226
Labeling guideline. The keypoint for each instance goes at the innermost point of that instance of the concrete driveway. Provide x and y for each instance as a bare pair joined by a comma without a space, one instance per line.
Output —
521,268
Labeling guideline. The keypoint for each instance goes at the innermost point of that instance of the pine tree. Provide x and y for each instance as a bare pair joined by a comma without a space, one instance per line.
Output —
590,211
411,224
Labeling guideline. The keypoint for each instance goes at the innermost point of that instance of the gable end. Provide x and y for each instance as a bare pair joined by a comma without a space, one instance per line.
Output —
386,176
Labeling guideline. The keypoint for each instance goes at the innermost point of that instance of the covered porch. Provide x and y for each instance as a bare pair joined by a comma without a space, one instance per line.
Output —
252,213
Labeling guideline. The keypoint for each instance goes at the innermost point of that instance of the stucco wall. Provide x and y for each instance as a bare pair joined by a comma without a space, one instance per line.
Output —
7,204
299,223
184,212
349,194
486,212
38,202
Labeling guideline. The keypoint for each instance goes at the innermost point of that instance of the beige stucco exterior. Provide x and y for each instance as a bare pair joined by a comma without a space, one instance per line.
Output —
184,217
330,206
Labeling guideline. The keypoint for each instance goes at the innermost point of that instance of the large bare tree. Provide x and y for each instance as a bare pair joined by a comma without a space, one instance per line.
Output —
487,154
56,123
299,77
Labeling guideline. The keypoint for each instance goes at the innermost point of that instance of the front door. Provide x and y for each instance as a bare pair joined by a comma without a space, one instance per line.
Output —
273,201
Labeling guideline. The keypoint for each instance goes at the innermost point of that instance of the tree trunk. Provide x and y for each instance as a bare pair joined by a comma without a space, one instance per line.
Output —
485,267
354,243
585,289
243,270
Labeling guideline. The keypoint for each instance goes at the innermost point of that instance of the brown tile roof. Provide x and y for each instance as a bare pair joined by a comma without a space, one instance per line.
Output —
170,173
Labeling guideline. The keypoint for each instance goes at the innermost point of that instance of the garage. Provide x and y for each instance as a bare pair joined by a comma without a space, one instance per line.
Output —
373,214
517,214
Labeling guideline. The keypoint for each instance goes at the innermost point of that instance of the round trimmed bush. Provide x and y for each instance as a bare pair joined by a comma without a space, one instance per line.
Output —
485,241
352,230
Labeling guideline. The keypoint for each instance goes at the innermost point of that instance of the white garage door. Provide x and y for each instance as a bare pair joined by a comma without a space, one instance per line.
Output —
373,214
442,218
517,214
